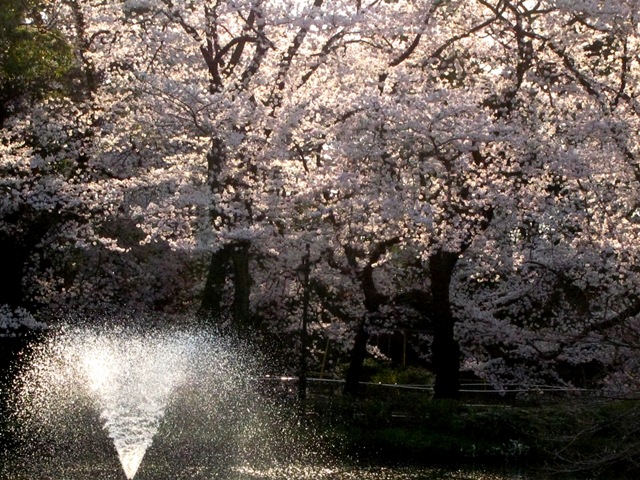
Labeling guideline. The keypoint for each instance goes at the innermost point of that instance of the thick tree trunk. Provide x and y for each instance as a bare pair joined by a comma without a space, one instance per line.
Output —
241,285
229,263
372,302
356,360
445,348
373,299
211,305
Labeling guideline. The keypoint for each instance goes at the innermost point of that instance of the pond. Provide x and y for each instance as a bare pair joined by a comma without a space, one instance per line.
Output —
91,470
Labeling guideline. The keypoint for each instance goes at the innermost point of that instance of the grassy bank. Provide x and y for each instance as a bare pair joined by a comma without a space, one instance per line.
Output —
572,437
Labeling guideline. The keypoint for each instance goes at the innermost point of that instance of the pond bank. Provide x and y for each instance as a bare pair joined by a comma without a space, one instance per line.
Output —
568,438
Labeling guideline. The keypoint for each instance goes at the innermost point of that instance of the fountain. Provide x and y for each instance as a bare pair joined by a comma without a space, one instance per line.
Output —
132,380
188,386
158,403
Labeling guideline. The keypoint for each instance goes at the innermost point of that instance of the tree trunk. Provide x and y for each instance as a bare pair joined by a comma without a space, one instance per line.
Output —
231,261
241,286
356,360
372,302
211,305
373,299
445,348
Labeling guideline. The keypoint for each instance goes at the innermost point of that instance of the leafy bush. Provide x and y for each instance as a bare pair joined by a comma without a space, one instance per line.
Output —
397,374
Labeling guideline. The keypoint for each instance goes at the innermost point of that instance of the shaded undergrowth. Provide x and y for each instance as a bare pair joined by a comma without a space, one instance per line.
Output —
565,438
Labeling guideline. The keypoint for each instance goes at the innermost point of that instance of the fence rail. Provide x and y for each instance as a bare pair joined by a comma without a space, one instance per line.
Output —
315,385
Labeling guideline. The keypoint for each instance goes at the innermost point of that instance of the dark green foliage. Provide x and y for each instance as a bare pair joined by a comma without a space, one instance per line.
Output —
575,438
404,375
432,432
33,54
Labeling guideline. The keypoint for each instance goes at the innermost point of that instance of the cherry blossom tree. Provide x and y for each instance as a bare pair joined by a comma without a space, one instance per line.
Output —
67,178
566,225
466,169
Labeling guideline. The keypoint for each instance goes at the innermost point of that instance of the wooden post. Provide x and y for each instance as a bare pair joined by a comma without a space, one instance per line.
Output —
305,272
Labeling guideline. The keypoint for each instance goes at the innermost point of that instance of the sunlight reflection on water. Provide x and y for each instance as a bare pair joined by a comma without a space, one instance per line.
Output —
367,473
288,472
364,473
